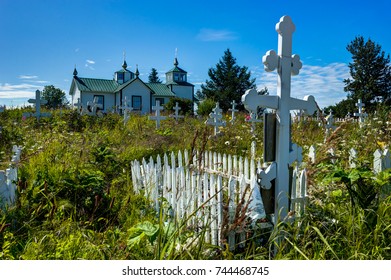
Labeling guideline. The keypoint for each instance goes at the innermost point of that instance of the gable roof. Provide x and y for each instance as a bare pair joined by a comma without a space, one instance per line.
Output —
94,85
124,85
161,90
176,69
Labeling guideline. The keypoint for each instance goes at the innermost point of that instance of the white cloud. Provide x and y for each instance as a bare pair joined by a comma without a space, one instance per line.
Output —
325,83
8,91
215,35
27,77
90,61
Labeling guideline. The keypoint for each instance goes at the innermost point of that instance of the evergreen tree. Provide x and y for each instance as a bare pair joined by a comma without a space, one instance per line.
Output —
228,81
370,74
154,77
55,97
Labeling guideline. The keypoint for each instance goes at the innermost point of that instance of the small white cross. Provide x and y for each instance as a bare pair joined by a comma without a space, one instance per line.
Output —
176,116
233,110
38,102
126,109
361,115
79,105
157,116
253,120
216,119
93,107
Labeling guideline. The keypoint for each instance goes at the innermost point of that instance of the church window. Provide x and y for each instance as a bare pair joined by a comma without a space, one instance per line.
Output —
136,102
161,100
120,76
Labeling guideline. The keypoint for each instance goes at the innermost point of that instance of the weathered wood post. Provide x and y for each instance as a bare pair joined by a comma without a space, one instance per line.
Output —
286,65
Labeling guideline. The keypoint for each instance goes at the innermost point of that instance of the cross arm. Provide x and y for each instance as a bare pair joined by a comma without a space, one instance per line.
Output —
252,100
308,104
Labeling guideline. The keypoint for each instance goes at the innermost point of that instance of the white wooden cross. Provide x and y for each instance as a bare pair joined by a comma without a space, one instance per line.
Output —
176,116
330,121
79,105
38,102
253,119
157,116
361,115
93,107
216,119
233,110
126,109
286,65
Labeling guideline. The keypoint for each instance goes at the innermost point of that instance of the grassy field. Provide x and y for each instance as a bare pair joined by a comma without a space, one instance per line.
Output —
76,201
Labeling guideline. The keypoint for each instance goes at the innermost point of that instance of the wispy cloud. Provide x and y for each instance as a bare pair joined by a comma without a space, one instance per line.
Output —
9,91
216,35
89,64
27,77
325,83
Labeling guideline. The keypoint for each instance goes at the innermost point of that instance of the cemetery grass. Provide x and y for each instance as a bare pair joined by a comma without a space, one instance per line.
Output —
76,199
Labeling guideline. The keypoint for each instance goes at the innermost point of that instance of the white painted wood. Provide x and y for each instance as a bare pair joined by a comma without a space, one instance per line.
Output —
8,179
126,110
233,110
176,115
352,158
286,65
38,101
158,117
361,115
312,154
216,119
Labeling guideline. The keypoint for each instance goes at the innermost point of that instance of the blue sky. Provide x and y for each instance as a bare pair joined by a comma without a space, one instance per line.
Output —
41,41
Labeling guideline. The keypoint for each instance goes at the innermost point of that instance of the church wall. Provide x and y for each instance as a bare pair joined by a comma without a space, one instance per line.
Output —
138,89
75,96
109,99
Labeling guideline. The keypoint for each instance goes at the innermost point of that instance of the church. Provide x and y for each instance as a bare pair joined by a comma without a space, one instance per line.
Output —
126,85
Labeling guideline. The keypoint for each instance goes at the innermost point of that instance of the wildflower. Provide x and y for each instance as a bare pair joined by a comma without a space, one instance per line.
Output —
227,143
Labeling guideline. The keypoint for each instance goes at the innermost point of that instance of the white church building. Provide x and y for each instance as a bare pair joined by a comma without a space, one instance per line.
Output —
127,85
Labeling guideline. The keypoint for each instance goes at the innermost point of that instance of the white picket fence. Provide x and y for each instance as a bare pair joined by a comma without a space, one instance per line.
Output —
8,179
209,192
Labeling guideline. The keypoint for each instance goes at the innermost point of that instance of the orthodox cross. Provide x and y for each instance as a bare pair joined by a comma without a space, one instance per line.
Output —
79,105
176,116
125,109
360,113
93,107
38,102
286,65
157,116
233,110
216,119
253,119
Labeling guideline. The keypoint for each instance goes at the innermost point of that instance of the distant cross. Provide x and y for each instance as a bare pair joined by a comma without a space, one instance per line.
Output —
216,119
361,115
157,116
253,120
286,65
233,110
330,121
38,102
93,107
126,109
176,116
79,105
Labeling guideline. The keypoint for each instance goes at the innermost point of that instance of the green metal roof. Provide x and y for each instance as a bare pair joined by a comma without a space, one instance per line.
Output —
160,90
180,83
176,69
95,85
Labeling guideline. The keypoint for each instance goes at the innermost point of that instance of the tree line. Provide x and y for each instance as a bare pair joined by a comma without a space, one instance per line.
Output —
370,81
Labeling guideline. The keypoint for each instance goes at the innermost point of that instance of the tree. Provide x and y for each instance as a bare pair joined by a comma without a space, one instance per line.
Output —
370,74
228,82
55,97
154,77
